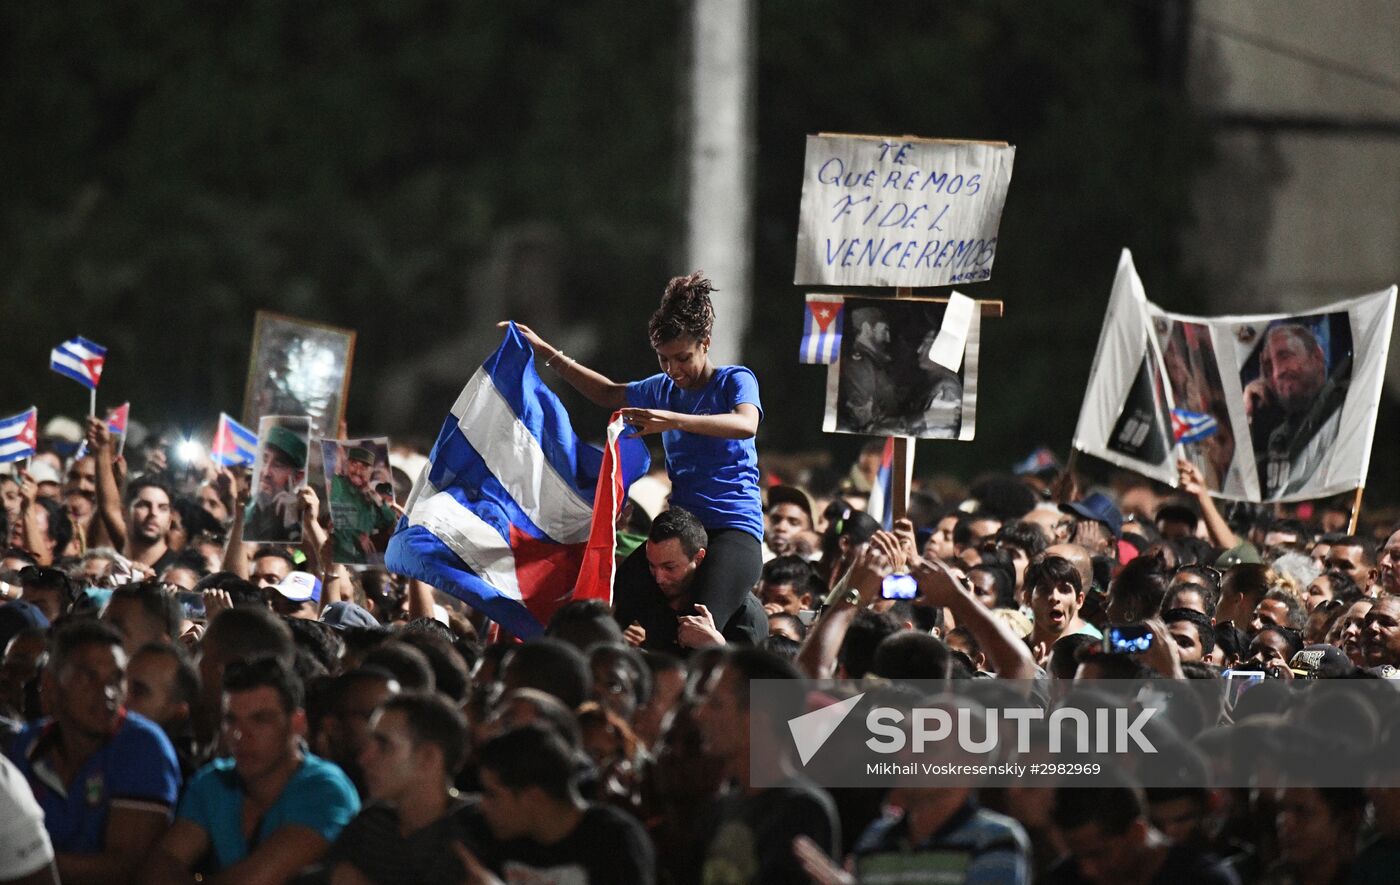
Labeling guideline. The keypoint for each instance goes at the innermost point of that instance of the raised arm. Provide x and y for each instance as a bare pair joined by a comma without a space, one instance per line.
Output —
1006,653
597,388
109,496
817,657
1193,483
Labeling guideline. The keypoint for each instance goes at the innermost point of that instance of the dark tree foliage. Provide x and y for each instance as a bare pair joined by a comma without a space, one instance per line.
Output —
170,168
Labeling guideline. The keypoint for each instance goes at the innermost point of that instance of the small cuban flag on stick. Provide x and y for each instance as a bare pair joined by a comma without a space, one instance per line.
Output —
116,425
1192,427
81,360
19,435
821,329
234,444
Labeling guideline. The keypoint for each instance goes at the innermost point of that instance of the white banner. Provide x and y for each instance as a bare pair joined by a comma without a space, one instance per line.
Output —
1271,407
900,211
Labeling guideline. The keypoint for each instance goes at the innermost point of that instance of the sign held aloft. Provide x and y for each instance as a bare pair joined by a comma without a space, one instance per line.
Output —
900,211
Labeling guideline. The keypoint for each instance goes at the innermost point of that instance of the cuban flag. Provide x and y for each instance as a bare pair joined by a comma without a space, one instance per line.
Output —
19,435
1192,427
116,424
234,445
79,359
880,504
821,329
513,514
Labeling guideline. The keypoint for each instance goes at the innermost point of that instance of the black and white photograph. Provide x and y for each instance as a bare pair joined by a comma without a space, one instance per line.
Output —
885,383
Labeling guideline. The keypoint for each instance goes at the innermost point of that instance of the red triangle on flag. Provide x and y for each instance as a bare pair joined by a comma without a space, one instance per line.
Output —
822,313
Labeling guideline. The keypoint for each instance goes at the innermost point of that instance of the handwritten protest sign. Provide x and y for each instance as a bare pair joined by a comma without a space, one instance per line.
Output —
900,211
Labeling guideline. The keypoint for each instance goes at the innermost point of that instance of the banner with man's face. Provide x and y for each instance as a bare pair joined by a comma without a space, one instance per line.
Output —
273,516
1269,408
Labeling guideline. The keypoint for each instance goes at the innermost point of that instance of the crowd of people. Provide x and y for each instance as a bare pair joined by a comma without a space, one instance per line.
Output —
176,703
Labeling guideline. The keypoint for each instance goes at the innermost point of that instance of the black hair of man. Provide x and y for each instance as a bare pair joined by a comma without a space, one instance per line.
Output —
1028,537
60,526
1138,590
584,623
450,674
1175,512
968,639
552,666
662,662
1113,666
248,632
148,482
186,676
784,647
46,577
792,621
1194,552
1051,571
78,634
868,629
1368,548
1103,567
277,552
550,713
681,524
630,658
1290,636
751,663
1293,611
1003,580
432,719
1204,628
1232,641
318,640
409,665
910,655
265,671
1066,653
789,569
1207,574
532,756
156,603
962,530
1005,498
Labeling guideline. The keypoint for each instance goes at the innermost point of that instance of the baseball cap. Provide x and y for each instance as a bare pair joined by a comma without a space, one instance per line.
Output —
288,442
792,495
17,616
300,587
42,472
361,454
344,615
1321,661
1099,508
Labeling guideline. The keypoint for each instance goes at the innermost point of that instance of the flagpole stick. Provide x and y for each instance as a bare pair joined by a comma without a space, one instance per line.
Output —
899,469
92,403
1355,510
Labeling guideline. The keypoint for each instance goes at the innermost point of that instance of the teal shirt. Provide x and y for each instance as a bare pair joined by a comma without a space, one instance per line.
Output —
353,514
319,797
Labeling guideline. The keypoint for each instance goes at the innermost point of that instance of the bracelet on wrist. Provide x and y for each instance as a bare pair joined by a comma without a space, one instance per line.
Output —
557,353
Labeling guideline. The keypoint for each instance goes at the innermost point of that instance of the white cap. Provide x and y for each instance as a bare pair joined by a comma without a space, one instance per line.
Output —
300,587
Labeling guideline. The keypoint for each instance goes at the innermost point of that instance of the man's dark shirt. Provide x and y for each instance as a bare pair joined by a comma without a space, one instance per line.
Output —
607,846
1182,864
748,838
373,845
639,599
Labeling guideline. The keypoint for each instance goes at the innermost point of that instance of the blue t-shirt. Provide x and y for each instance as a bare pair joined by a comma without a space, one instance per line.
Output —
714,478
135,768
319,796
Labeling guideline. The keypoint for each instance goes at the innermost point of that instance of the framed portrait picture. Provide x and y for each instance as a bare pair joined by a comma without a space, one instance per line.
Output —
298,368
359,489
273,516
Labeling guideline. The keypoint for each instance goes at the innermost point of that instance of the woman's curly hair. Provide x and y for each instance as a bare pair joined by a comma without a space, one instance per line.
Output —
685,310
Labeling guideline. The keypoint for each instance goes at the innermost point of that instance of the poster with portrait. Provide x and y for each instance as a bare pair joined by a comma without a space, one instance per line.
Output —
1273,407
273,516
359,495
298,368
886,382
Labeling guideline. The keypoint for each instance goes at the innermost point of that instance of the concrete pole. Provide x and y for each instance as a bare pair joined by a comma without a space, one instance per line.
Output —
719,208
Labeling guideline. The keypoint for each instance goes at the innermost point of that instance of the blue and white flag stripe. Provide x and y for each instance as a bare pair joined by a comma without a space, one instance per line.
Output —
234,444
821,346
16,438
506,467
74,358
